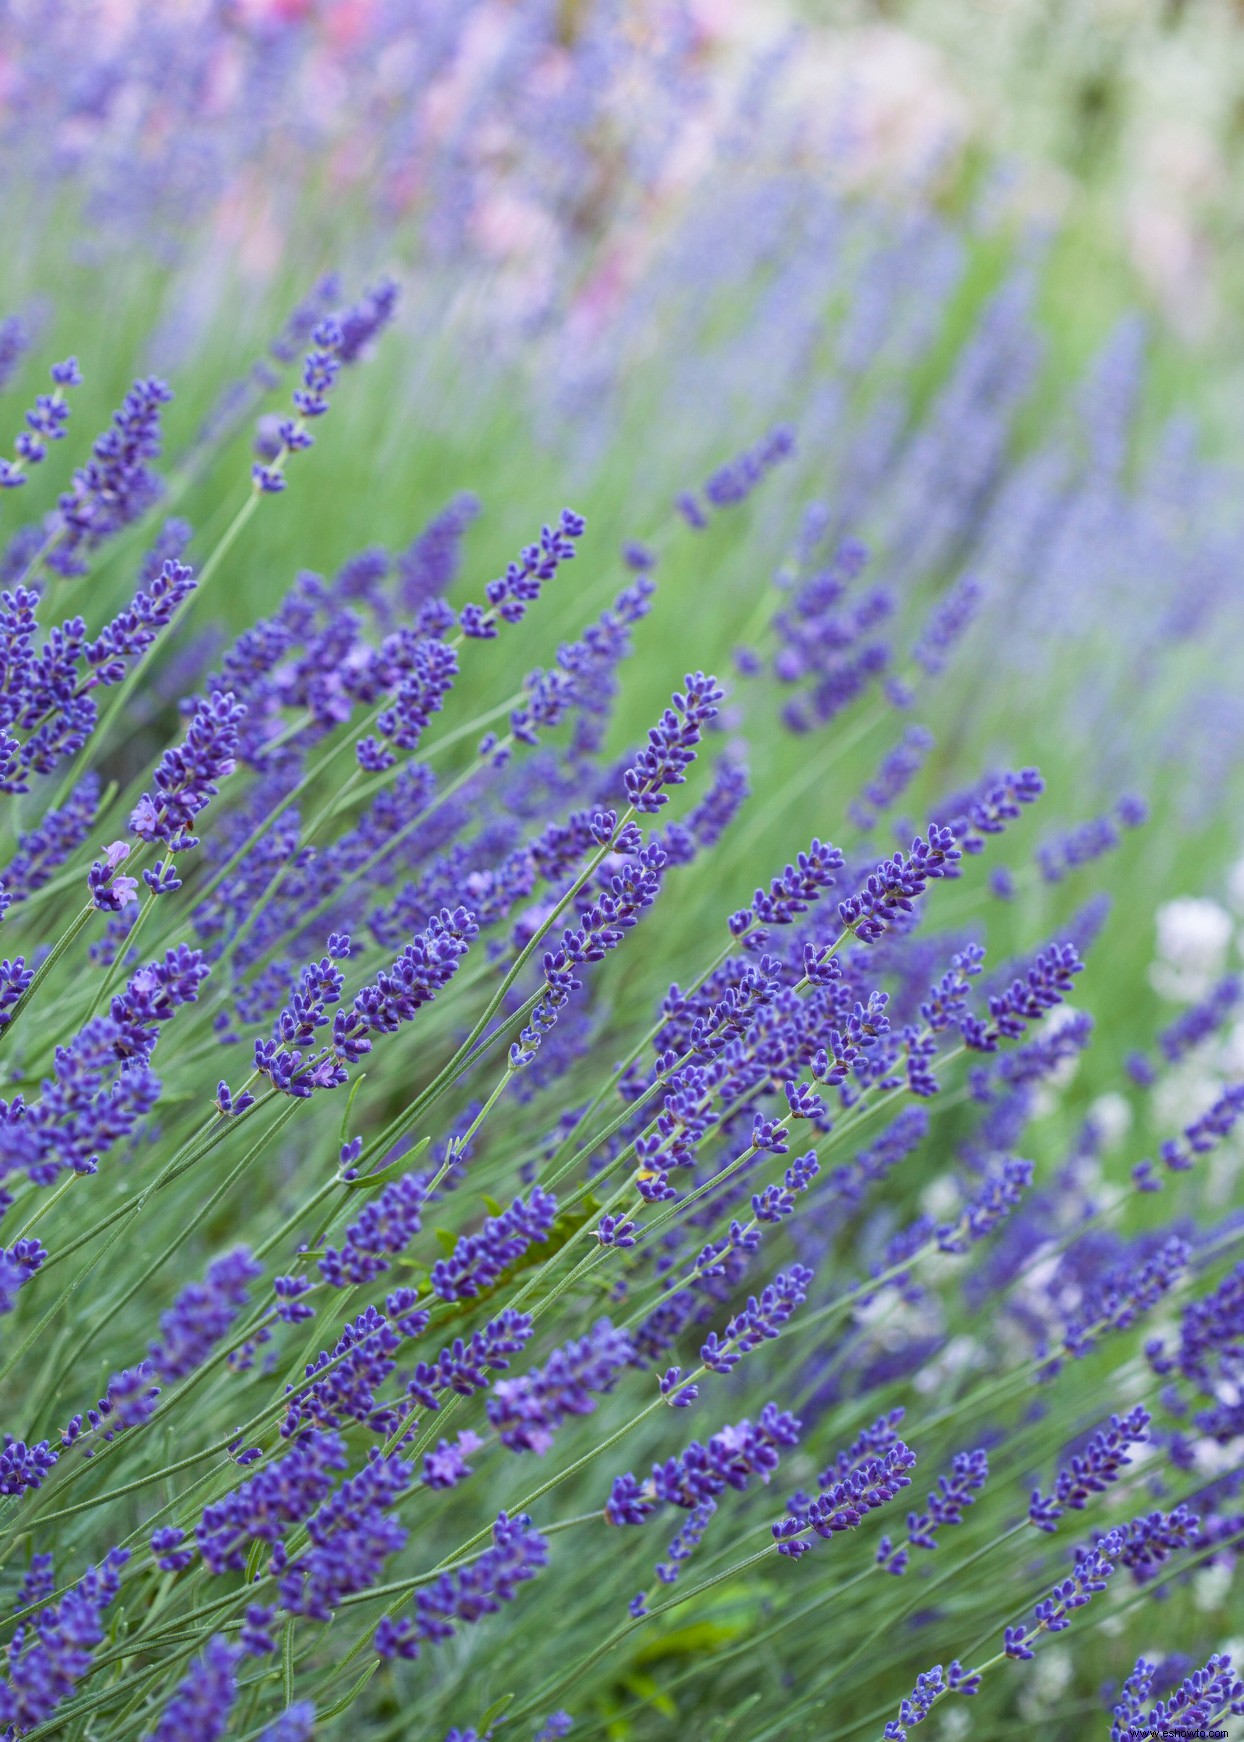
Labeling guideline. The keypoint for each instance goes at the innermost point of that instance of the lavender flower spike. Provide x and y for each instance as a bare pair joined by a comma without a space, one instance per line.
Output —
45,422
1199,1701
199,1710
116,485
518,1553
188,775
1091,1471
671,743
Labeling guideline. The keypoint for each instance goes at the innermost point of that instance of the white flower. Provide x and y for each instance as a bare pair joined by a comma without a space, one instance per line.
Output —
1211,1585
1183,1094
1193,935
941,1199
1112,1118
1048,1678
960,1356
955,1723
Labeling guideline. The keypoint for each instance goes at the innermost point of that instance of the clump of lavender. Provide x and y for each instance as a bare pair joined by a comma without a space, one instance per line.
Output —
446,1125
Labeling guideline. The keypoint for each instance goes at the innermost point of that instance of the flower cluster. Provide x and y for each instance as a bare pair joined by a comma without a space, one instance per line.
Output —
45,422
202,1314
729,1459
1092,1470
424,968
527,1411
931,1684
736,480
1143,1545
509,596
188,776
117,484
1200,1700
477,1260
47,1660
518,1553
945,1505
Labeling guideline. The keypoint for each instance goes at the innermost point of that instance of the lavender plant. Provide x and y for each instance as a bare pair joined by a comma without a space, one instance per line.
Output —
624,1181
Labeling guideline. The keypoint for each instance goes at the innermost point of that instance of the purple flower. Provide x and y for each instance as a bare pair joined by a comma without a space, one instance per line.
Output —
166,1547
295,1724
429,566
117,485
352,1535
18,1264
583,680
1123,1294
676,1394
1060,854
109,891
603,924
670,750
101,1085
346,1380
798,887
1091,1471
1207,1132
23,1467
867,1475
136,628
929,1688
897,884
1189,1029
286,1492
1046,983
42,851
188,775
14,343
896,773
465,1367
423,969
420,694
363,321
946,624
202,1314
256,1637
731,1457
49,1659
128,1402
997,802
616,1231
38,1583
527,1411
320,369
554,1727
199,1710
447,1465
1002,1191
45,422
945,1505
385,1228
1201,1699
477,1260
1142,1545
760,1319
289,1303
682,1546
735,481
518,1553
509,596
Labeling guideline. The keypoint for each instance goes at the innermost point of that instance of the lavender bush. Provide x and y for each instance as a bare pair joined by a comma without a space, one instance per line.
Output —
426,1307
